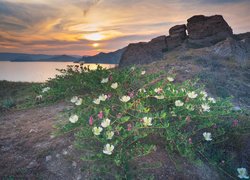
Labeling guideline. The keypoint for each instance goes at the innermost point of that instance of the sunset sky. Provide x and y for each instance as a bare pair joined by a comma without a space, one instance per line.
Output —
87,27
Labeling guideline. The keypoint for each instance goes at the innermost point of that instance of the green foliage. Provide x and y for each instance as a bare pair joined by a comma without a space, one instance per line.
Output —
8,103
113,123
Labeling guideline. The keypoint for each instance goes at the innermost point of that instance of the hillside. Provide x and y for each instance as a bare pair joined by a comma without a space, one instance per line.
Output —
105,58
21,57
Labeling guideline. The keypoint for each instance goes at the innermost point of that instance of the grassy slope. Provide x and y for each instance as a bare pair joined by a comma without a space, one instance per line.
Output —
16,94
222,77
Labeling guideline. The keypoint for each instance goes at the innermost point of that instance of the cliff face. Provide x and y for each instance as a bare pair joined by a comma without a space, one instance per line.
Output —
200,32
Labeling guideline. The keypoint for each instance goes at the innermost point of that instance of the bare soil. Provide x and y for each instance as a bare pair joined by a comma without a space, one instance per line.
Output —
29,150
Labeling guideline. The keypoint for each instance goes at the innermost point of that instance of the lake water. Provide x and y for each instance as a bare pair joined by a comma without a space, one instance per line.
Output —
35,71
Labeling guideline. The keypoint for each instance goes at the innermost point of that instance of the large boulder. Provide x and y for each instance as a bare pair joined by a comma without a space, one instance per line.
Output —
178,31
206,31
143,53
177,35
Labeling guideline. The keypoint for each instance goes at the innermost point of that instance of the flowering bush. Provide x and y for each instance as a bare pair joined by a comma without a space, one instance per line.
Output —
124,108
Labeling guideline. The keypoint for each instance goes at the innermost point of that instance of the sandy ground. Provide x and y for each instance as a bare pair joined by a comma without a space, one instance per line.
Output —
30,151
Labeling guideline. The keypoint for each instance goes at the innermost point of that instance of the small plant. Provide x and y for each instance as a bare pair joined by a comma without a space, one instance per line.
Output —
8,103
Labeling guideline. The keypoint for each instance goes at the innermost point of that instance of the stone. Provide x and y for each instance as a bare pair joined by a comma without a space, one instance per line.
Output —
74,164
33,164
48,158
207,30
177,35
232,49
178,31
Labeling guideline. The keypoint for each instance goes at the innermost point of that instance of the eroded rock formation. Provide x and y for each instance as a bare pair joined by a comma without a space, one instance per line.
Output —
201,31
206,31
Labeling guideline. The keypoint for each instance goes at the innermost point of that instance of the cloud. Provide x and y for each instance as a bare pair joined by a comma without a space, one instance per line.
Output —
54,26
24,15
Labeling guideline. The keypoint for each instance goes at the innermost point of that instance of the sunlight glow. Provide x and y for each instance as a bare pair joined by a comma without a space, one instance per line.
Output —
95,45
94,37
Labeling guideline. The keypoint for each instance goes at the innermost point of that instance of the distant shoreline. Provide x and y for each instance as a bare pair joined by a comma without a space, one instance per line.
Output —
56,61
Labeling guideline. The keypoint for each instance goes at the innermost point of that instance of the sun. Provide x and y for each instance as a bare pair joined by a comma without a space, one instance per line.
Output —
95,45
94,36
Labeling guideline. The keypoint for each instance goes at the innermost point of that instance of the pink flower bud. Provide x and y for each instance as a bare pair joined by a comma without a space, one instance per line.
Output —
100,115
91,120
131,94
129,127
109,95
110,77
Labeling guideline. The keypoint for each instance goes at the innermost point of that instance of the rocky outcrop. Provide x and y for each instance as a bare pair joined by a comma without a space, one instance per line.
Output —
143,53
203,32
206,31
231,48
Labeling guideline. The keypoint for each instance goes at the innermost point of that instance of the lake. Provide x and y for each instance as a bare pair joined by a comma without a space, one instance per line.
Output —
35,71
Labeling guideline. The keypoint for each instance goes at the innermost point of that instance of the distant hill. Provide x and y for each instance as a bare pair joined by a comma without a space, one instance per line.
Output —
21,57
105,58
62,58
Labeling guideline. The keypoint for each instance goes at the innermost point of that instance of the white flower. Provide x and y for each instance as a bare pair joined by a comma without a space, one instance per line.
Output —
143,72
192,95
205,107
114,85
105,123
102,97
212,100
242,173
110,134
45,89
39,97
142,90
105,80
73,118
147,121
170,79
207,136
159,97
74,99
203,93
78,102
97,130
158,90
96,101
179,103
132,68
125,98
108,149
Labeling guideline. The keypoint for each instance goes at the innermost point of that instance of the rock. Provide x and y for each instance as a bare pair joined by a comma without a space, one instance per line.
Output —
242,36
143,53
74,164
231,48
178,31
64,152
48,158
177,35
33,164
206,31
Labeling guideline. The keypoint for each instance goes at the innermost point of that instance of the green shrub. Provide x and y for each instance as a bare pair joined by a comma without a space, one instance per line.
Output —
8,103
117,113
